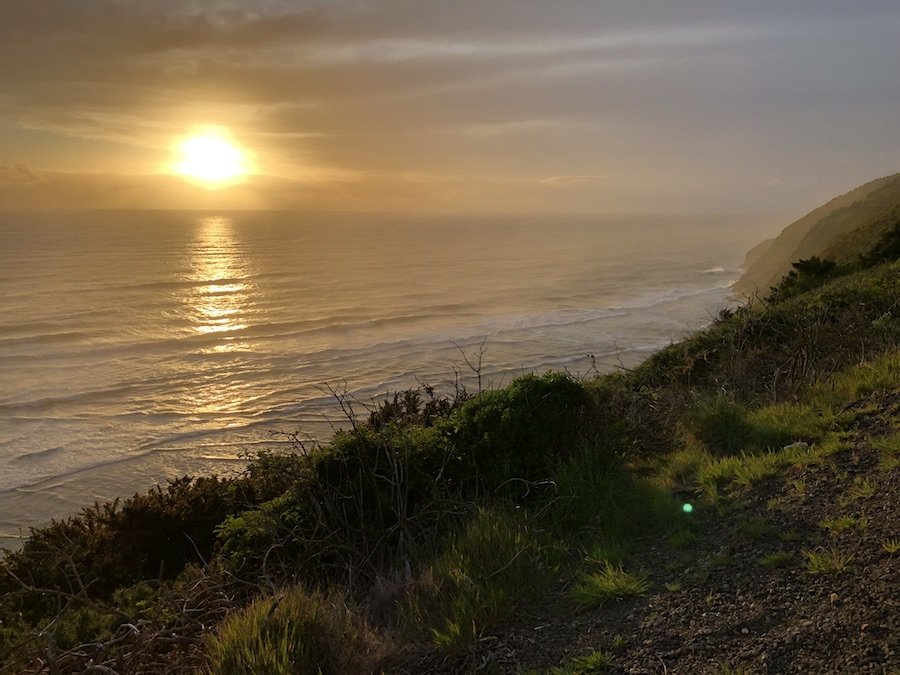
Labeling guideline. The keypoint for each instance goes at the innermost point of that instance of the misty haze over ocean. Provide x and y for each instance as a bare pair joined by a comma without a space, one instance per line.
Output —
137,346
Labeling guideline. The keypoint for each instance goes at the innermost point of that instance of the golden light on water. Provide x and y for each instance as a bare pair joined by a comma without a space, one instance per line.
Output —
220,301
211,159
220,304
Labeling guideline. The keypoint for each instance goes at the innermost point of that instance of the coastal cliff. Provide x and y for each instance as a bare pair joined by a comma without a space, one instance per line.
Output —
845,228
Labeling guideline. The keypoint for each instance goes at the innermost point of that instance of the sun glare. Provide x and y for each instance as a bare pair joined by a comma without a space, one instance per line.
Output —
210,159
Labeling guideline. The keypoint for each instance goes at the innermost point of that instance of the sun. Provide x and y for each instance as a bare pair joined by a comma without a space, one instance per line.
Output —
211,159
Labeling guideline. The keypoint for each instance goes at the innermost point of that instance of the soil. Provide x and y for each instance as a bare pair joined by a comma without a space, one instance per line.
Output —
714,607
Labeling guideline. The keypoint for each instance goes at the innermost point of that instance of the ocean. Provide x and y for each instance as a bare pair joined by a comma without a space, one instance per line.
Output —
139,346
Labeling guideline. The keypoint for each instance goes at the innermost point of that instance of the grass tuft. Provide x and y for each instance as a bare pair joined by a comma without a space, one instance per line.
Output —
478,579
776,559
292,632
755,528
610,583
589,664
843,523
682,538
891,546
861,489
830,561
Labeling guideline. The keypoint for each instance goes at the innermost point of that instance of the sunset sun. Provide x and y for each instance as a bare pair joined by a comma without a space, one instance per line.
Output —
210,159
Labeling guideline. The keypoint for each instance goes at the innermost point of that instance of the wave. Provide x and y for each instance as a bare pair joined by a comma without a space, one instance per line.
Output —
46,338
49,480
38,454
42,404
661,297
30,328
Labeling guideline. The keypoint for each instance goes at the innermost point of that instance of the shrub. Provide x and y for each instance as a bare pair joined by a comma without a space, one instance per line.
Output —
119,543
720,423
371,500
805,276
522,432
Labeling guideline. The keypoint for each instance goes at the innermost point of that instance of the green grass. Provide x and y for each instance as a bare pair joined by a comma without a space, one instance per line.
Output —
799,485
725,669
609,551
843,523
479,578
776,559
829,561
609,584
861,489
721,559
882,373
755,528
891,546
589,664
292,632
674,586
682,538
778,504
888,448
790,535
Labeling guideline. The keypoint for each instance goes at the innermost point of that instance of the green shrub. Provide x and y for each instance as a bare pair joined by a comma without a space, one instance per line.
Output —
600,505
371,500
119,543
720,423
776,350
80,624
805,276
520,434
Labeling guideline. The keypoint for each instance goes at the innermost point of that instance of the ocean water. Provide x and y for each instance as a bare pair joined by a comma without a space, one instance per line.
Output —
137,346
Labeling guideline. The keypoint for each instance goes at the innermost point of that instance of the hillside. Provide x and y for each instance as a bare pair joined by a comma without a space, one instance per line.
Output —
796,573
843,229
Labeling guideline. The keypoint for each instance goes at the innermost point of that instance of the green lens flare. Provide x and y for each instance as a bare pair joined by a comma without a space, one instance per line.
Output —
687,508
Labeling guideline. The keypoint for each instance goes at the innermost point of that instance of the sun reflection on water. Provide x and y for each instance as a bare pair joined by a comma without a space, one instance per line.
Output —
220,304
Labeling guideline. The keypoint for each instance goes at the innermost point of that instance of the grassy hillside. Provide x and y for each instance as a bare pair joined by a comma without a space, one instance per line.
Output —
843,229
411,539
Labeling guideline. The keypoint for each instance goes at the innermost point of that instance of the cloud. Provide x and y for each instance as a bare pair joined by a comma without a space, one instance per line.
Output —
661,97
573,180
17,174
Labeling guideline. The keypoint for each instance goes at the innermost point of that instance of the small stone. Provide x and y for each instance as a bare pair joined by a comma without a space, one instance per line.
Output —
833,598
745,631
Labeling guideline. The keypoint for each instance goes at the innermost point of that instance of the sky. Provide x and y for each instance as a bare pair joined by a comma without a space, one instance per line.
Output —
596,106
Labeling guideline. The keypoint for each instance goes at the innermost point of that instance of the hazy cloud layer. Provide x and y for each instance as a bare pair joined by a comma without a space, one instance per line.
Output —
459,105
